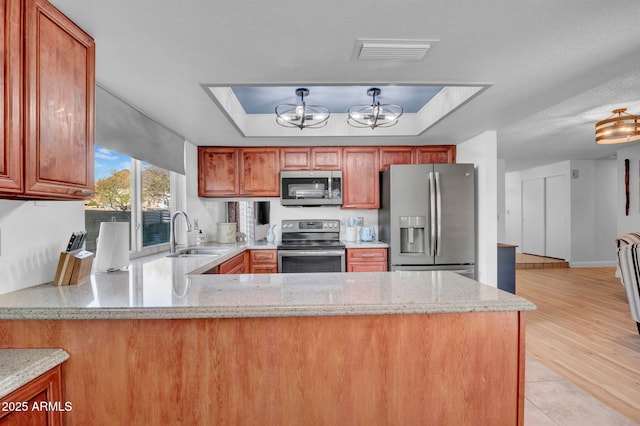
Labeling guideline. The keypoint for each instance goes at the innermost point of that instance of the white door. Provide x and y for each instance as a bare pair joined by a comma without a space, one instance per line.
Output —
556,216
533,212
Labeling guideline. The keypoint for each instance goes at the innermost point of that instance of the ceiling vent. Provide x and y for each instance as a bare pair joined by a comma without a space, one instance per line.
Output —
391,49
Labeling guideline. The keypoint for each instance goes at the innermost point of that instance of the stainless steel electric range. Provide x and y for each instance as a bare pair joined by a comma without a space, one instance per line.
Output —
311,246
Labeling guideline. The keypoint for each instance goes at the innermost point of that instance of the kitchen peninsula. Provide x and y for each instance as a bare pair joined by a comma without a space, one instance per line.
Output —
160,345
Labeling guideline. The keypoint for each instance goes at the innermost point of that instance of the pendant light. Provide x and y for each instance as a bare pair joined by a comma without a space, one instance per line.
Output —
620,127
374,115
302,115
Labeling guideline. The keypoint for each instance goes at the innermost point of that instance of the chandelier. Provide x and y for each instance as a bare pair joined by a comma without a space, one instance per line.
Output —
374,115
302,115
620,127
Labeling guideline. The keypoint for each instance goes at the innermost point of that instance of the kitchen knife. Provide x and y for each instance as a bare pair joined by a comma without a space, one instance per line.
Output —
83,237
71,242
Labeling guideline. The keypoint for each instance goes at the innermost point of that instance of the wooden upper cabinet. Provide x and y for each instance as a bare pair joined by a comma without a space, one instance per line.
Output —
396,155
436,154
326,158
295,158
260,172
59,87
218,172
238,172
311,158
48,103
10,113
360,189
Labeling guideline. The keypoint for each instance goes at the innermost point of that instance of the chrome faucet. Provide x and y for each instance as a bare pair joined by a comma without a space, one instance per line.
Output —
172,231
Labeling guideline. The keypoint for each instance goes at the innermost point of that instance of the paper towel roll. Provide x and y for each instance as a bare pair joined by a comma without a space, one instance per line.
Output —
112,251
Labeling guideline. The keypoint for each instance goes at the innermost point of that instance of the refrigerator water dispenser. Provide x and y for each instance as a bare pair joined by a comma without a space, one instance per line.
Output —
412,232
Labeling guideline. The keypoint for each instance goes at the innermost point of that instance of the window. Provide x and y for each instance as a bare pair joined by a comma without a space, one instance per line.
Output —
130,190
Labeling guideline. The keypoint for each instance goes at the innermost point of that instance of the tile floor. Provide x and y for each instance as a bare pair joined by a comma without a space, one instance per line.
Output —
551,400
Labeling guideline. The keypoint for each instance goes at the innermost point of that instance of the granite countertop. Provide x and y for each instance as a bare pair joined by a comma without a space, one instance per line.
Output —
20,366
363,244
171,287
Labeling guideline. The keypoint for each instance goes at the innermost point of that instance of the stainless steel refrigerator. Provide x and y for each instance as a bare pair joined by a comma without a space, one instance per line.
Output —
427,216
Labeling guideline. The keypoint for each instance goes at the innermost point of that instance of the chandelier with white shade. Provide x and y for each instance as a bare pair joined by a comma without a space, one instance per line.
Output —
374,115
302,115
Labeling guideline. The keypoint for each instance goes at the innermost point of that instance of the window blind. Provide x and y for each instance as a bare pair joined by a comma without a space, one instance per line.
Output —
122,128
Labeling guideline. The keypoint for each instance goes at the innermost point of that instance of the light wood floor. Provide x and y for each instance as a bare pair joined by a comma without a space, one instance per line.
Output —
530,261
583,331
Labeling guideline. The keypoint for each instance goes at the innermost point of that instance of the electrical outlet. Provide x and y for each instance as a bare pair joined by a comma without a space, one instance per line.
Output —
195,224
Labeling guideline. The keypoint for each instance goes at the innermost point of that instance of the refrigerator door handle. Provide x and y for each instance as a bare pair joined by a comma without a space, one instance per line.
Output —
438,213
432,196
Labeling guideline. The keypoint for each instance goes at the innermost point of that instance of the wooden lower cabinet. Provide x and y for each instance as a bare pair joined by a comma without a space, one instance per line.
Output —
39,402
367,260
235,265
409,369
263,261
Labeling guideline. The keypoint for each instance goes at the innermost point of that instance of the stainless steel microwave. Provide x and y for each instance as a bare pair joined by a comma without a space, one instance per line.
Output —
311,188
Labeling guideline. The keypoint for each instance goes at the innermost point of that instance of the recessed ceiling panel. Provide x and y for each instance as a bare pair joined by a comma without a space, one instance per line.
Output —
251,108
263,99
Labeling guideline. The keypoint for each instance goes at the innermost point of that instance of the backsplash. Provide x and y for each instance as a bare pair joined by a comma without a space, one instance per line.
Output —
32,235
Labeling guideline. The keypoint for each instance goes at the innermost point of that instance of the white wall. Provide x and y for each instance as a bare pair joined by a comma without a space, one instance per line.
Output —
207,211
513,209
590,206
631,223
593,218
502,209
32,235
482,151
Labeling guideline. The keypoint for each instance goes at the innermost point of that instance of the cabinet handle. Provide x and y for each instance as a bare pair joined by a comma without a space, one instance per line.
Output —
263,257
84,191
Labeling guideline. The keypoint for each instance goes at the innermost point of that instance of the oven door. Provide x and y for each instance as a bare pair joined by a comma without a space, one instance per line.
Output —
321,260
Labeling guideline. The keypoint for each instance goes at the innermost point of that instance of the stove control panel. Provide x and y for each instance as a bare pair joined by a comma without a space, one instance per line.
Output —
313,225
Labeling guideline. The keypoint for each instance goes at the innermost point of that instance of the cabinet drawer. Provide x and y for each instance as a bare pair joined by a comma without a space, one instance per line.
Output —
235,265
264,269
264,256
367,255
263,261
367,267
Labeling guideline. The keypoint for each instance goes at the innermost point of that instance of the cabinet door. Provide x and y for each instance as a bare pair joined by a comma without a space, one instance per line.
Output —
396,155
235,265
263,261
10,107
436,154
326,158
260,172
218,172
59,92
360,175
295,158
44,390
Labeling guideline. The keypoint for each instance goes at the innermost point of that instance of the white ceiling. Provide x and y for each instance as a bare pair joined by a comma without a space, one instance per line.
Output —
554,67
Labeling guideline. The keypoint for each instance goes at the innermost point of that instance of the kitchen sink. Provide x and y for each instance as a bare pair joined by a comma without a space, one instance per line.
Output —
200,252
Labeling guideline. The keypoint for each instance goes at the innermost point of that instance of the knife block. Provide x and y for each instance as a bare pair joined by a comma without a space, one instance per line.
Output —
73,266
